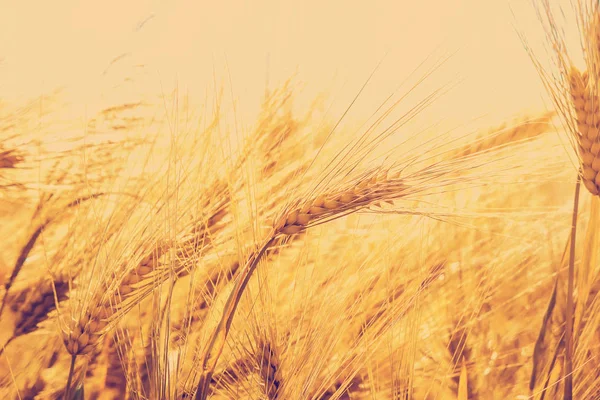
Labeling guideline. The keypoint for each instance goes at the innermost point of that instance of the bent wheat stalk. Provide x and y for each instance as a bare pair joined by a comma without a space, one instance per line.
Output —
217,339
569,328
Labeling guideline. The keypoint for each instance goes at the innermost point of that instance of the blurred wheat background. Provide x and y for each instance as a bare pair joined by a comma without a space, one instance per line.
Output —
299,200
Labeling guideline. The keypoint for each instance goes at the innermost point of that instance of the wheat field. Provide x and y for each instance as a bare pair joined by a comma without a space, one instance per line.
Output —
280,201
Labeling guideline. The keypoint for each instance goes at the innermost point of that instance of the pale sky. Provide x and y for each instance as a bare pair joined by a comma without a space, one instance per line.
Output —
331,45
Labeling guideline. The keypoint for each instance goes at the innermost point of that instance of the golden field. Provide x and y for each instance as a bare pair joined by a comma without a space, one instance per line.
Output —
274,200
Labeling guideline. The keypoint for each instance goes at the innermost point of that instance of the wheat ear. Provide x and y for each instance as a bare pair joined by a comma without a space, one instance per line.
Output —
85,334
36,305
586,106
127,289
521,129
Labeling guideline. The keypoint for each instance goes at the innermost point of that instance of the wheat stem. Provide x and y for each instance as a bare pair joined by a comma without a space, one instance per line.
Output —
217,342
70,378
568,393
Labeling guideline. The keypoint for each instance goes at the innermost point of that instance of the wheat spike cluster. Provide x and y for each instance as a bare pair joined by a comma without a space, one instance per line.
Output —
159,245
